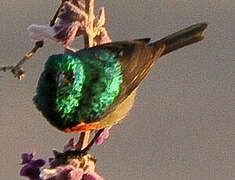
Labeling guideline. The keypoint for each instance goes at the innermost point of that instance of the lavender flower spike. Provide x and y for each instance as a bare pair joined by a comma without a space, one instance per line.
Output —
31,168
76,168
104,135
40,32
72,21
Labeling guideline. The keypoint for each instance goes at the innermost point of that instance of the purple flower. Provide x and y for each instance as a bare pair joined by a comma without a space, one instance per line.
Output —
77,168
31,168
92,177
72,21
104,135
40,32
27,157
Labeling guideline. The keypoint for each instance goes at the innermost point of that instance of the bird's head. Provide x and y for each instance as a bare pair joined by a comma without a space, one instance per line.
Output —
60,89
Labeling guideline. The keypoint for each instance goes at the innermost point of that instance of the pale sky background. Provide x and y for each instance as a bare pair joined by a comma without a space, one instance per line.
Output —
183,124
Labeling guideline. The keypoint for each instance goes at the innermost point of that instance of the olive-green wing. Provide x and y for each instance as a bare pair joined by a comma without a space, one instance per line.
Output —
137,59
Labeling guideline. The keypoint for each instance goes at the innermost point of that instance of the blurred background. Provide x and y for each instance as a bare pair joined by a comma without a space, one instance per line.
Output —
183,124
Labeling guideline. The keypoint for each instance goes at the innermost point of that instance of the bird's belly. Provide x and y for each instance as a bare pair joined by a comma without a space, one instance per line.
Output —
111,119
120,112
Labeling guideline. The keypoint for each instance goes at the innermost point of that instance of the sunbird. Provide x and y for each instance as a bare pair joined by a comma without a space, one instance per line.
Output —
95,87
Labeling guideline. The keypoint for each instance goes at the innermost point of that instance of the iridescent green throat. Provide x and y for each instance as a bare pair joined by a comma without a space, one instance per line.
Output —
78,87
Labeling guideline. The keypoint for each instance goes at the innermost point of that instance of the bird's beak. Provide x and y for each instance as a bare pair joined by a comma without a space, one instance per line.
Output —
58,80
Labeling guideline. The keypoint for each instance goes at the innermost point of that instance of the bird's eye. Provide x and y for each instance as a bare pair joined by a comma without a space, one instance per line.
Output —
68,77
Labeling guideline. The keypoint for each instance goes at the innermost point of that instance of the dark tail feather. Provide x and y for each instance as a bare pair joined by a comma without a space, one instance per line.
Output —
182,38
